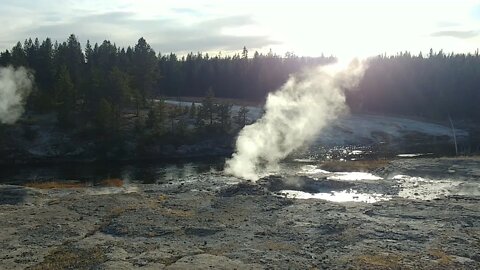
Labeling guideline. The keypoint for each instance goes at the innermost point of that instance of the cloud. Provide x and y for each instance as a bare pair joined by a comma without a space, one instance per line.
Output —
207,36
213,43
165,34
187,11
446,24
456,34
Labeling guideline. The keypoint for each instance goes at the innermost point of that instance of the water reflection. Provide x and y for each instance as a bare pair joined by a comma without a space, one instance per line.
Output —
367,187
353,176
95,173
419,188
294,180
314,171
414,155
336,196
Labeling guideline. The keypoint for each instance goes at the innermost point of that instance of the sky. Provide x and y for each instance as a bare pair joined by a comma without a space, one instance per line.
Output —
307,28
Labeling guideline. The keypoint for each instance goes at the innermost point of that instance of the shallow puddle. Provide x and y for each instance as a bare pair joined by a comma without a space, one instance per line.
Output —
414,155
311,182
335,196
419,188
314,171
353,176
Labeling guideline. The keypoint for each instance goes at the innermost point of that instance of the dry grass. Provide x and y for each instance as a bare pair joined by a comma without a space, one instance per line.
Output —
73,258
112,182
379,261
441,257
55,185
357,166
117,211
162,198
154,204
280,246
219,251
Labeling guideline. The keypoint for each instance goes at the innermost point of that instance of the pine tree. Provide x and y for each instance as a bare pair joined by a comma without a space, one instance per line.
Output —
18,56
244,53
144,68
156,117
105,117
65,98
224,114
208,106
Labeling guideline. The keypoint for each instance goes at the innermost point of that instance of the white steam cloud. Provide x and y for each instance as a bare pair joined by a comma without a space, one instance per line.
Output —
15,86
294,115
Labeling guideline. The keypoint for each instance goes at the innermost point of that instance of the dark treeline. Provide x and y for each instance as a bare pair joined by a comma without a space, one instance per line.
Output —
435,86
97,76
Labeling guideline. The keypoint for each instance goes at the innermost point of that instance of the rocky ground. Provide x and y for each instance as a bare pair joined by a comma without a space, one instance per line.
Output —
215,221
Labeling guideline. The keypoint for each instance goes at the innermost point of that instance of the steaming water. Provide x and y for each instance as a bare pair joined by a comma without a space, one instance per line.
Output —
295,179
315,183
15,86
294,115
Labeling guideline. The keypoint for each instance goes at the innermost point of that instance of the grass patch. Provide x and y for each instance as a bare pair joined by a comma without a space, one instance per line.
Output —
112,182
73,258
219,251
55,185
116,212
379,261
441,257
162,198
356,166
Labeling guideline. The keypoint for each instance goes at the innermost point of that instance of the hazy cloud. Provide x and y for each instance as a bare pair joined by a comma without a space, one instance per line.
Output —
445,24
306,27
213,43
187,11
164,34
207,36
456,34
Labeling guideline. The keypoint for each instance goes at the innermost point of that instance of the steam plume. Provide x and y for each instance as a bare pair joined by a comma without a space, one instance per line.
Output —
294,115
15,86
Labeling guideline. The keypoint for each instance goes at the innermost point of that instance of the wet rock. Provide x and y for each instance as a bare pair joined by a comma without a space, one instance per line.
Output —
304,183
201,232
242,189
12,195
